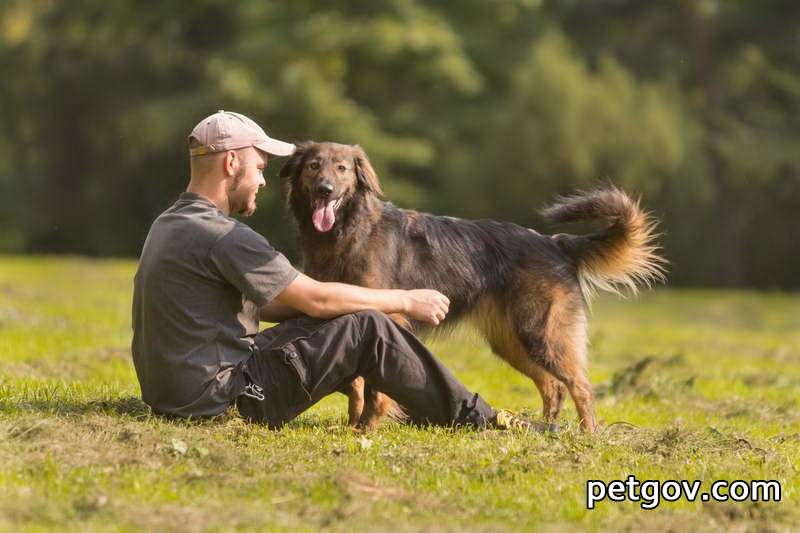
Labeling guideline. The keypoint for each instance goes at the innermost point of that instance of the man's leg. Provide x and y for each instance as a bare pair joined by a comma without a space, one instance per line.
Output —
303,360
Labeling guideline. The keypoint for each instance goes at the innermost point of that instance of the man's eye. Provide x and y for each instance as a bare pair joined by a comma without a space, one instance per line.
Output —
313,165
341,168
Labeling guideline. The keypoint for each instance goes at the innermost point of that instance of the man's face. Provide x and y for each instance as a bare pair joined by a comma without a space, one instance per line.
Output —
248,179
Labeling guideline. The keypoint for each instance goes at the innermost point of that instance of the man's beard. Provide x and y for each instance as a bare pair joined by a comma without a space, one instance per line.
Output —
243,208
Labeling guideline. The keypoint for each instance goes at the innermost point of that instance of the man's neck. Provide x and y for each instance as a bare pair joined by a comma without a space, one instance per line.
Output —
213,193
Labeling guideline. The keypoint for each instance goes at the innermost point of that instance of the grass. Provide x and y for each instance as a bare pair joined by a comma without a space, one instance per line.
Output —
706,382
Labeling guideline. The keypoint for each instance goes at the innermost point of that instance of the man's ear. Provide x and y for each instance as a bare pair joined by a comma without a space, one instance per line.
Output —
367,179
292,165
231,163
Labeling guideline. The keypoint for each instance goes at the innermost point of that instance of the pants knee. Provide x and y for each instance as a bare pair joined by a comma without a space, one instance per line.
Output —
377,325
371,316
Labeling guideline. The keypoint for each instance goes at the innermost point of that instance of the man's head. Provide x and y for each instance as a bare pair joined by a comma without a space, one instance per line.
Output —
229,153
236,173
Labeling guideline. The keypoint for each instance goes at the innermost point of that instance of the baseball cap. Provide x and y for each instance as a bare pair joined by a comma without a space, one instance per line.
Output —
226,130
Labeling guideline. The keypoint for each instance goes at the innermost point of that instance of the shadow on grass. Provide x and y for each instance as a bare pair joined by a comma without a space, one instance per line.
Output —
127,406
130,407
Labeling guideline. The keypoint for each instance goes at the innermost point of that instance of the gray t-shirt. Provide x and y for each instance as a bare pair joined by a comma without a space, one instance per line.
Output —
201,280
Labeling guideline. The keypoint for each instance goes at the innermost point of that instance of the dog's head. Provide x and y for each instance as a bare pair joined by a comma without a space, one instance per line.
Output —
324,178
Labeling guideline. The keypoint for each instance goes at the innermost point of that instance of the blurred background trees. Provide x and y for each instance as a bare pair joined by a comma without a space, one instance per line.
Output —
470,108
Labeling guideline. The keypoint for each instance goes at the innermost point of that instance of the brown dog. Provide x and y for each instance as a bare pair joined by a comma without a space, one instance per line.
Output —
526,292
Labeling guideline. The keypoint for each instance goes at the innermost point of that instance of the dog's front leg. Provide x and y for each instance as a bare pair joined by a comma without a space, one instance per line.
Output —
355,404
376,406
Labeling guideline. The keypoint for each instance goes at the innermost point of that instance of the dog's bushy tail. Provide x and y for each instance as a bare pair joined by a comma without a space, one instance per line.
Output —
623,257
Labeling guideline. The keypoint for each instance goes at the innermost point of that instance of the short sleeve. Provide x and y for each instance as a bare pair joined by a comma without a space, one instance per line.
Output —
249,263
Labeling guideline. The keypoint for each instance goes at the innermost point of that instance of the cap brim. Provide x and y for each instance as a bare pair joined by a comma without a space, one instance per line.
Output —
275,147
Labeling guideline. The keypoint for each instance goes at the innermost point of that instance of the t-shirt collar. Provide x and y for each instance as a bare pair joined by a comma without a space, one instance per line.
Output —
187,196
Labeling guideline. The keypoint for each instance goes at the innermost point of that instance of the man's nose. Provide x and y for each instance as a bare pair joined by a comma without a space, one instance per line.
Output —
325,188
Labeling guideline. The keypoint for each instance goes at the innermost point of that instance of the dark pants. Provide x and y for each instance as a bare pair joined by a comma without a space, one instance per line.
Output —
300,361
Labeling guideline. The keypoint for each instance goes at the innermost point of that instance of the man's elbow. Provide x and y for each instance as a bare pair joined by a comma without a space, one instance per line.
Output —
320,307
315,299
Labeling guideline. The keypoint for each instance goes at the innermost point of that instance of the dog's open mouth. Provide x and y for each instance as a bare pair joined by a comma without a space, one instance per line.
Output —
324,213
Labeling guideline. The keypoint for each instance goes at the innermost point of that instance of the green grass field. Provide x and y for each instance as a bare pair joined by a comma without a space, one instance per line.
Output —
690,385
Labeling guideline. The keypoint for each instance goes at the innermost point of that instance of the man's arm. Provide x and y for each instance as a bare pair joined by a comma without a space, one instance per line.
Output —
276,311
328,300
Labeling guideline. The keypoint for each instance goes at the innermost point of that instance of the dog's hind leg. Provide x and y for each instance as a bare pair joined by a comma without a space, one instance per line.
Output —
573,375
505,343
567,359
581,391
561,342
548,317
551,390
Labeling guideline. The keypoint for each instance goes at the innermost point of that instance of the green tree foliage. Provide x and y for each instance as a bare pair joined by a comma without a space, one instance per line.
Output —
564,126
473,108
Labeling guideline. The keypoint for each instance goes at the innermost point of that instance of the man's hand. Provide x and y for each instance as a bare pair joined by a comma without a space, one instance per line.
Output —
426,305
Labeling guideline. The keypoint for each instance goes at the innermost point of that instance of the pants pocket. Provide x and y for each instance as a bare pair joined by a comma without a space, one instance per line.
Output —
248,403
298,383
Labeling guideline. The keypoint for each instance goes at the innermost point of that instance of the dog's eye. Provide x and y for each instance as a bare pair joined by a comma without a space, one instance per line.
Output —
313,165
341,168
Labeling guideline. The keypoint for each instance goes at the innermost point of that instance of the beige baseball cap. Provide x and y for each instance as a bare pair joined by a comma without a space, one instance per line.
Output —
226,130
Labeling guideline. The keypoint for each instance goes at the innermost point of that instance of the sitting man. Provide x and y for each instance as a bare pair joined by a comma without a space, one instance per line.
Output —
205,280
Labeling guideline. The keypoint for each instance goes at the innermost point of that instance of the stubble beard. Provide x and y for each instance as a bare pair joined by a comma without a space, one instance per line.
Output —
243,207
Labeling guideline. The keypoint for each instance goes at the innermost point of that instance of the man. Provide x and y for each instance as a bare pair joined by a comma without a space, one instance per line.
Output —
205,280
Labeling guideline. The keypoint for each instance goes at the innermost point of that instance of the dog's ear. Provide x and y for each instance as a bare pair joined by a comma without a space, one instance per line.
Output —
364,171
292,164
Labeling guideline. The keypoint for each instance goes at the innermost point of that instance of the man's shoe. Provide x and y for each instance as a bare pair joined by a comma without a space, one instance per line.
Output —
507,420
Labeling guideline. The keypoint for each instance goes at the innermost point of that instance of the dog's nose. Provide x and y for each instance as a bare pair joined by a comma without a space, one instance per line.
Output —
325,188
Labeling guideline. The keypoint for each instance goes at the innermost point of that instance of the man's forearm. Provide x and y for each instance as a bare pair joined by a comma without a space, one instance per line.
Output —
328,300
340,298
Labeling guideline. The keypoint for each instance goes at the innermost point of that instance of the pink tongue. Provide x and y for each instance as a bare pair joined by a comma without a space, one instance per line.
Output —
324,217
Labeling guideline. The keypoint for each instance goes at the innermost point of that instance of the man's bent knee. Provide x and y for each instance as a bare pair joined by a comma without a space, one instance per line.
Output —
371,315
375,322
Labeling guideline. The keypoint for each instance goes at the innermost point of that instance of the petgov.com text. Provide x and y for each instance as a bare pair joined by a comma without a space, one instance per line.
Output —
650,493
